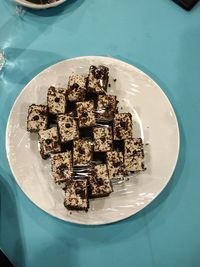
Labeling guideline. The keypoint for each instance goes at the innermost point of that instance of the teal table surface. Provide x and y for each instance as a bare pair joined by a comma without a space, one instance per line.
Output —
164,41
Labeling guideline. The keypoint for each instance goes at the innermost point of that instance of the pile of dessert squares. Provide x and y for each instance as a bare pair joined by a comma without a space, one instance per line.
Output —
89,142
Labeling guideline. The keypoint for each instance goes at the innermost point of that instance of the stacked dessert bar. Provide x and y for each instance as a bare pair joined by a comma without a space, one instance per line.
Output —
90,144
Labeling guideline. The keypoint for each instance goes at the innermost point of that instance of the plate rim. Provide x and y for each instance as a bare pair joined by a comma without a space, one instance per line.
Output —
41,6
166,99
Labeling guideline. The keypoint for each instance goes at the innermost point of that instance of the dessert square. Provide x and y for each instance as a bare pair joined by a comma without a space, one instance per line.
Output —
98,79
67,127
37,118
134,154
82,152
56,100
102,139
99,183
106,107
49,142
76,196
61,166
122,126
85,113
115,164
76,88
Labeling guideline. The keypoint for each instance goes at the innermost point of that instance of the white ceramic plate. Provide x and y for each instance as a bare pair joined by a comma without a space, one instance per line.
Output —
155,122
37,6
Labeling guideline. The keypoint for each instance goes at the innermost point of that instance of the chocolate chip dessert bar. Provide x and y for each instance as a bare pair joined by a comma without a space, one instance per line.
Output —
106,107
99,183
67,127
98,79
49,142
82,152
76,88
122,126
134,154
115,164
85,113
56,100
76,196
37,118
61,166
102,139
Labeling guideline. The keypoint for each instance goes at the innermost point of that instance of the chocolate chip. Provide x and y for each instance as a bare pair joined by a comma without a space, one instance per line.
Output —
67,125
114,80
43,112
103,139
92,68
84,114
75,86
123,124
100,181
97,74
134,153
57,99
52,88
143,167
80,192
116,164
48,141
81,151
36,118
109,107
62,168
109,85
